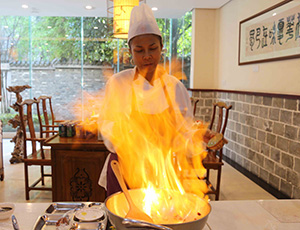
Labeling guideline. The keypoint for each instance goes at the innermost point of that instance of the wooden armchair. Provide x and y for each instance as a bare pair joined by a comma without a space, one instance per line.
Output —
214,156
47,121
194,103
38,155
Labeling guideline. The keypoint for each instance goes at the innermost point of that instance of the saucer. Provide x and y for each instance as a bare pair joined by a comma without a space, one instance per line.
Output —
89,214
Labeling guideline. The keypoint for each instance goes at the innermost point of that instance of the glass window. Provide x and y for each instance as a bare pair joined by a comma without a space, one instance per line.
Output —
14,50
56,61
69,58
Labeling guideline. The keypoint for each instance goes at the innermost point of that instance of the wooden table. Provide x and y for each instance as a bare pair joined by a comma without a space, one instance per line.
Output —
76,167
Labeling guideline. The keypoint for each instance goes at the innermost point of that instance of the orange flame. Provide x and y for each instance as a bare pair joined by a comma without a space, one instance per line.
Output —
157,151
87,113
160,153
175,69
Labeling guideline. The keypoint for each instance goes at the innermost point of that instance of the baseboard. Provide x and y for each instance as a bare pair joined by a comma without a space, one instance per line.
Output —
270,189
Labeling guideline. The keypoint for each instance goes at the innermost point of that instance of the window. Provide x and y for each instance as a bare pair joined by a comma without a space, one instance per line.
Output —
68,58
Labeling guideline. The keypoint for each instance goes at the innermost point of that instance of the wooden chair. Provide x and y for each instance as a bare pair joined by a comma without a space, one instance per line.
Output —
213,159
47,121
194,102
38,155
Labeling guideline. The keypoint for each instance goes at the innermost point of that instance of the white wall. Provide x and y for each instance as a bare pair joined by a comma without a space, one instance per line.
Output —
203,48
272,77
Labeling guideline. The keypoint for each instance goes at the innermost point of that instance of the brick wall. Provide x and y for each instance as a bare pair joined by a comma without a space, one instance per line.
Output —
263,134
63,83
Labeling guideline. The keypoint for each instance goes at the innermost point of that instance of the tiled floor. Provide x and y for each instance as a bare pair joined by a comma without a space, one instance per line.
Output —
12,189
234,185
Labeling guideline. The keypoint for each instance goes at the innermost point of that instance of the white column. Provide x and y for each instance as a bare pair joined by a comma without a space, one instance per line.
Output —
204,50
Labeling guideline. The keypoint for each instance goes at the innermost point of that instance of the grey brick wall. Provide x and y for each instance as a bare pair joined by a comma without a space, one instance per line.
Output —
63,83
263,134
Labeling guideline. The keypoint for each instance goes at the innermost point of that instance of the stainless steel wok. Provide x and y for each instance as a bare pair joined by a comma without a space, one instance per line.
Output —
117,207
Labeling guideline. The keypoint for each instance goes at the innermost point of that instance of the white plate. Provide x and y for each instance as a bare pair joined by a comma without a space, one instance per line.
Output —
89,214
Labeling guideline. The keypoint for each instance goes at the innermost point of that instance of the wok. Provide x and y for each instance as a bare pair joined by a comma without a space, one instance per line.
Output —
117,207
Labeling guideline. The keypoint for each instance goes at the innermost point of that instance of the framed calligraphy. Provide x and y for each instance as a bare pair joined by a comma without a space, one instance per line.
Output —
271,35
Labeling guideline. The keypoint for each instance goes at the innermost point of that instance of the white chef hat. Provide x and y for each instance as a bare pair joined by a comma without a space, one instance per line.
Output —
142,21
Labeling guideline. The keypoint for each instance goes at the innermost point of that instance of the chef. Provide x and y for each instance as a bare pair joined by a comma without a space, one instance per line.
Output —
146,89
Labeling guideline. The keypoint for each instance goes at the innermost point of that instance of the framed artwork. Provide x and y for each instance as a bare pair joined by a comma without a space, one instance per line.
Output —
271,35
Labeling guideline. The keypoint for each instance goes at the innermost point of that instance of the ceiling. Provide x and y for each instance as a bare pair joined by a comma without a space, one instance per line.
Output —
166,8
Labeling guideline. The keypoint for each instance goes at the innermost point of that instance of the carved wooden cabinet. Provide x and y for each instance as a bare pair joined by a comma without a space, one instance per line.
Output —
1,155
76,167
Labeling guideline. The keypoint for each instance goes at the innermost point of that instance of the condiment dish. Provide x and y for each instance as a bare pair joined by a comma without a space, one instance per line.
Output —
6,210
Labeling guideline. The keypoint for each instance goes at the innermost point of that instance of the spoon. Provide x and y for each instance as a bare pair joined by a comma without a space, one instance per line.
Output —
134,212
15,223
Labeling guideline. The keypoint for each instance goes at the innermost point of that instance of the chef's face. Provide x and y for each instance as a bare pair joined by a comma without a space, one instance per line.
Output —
146,52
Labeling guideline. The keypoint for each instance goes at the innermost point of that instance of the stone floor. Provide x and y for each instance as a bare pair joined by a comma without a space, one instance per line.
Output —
234,185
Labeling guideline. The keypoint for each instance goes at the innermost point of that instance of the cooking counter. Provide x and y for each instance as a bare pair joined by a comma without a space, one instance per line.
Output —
225,215
255,215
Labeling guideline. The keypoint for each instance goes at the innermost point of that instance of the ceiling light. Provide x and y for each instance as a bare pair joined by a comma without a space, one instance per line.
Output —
274,14
96,28
89,7
49,27
154,8
120,10
5,27
24,6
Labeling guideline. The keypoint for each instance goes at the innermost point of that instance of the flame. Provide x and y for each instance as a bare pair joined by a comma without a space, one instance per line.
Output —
86,113
156,151
175,69
161,153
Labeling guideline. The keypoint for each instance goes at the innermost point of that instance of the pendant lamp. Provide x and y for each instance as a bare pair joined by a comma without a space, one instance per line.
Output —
120,10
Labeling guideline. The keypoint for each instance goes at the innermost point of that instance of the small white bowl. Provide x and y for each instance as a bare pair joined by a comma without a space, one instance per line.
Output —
6,213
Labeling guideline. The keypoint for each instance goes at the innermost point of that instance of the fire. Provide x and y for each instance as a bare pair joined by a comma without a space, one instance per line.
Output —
161,153
170,207
175,68
87,114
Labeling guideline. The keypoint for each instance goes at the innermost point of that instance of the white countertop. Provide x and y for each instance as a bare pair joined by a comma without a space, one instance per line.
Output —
26,214
255,215
239,215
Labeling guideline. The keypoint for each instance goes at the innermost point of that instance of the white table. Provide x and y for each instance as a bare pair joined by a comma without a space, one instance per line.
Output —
231,215
26,214
255,215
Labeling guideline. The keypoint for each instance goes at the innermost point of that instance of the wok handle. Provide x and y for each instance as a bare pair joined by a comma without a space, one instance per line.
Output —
129,223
